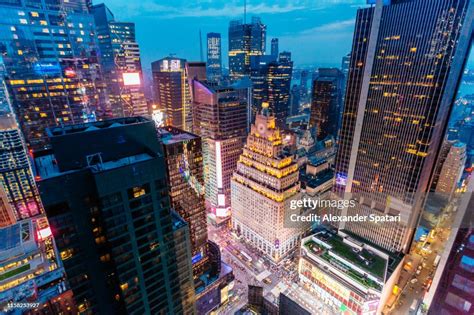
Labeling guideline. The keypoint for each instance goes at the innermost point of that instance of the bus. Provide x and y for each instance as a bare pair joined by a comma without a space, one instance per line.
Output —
436,261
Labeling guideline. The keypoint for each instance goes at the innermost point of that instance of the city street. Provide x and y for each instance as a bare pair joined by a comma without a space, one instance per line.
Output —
282,277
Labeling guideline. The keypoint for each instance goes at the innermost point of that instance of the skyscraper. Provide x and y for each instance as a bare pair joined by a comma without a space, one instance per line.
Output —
50,55
274,48
105,193
245,40
295,98
407,59
16,175
214,56
326,102
172,93
184,169
265,181
279,84
121,64
220,118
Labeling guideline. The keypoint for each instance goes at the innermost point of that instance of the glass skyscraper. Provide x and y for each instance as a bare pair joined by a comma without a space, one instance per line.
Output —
406,62
50,53
214,56
245,40
121,64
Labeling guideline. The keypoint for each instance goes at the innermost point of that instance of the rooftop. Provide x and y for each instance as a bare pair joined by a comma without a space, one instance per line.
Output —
92,126
16,239
170,135
329,247
47,167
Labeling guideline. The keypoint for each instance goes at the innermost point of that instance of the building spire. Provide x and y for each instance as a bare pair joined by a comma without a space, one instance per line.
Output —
245,11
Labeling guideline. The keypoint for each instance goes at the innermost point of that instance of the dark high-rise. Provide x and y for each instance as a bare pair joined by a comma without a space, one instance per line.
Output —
279,84
104,189
245,40
274,48
406,63
220,118
295,98
214,56
326,102
121,64
184,170
50,54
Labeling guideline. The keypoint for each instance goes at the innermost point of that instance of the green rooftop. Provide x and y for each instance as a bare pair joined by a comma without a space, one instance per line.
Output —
376,266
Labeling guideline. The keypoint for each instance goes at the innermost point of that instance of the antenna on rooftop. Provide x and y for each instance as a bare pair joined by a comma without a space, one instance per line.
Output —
245,11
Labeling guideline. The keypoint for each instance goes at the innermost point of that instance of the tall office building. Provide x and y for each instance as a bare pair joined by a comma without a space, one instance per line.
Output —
326,102
172,93
4,97
406,63
304,84
50,54
279,84
104,189
274,48
271,80
121,63
184,169
295,98
220,118
214,56
262,187
345,64
245,40
16,175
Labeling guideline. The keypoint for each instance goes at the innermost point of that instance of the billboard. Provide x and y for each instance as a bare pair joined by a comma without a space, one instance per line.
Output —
131,78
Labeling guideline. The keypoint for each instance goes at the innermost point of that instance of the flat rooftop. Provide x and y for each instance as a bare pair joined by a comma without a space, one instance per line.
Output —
16,239
328,245
92,126
171,135
47,167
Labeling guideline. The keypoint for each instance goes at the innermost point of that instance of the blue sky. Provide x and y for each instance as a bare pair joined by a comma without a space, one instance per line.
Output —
317,32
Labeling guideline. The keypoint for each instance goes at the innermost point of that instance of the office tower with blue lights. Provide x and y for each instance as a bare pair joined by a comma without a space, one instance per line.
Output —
214,57
171,91
245,40
220,118
105,193
326,102
121,63
50,55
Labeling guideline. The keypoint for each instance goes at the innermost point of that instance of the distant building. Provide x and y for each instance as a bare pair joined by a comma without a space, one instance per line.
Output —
245,40
265,181
295,98
274,48
451,163
121,63
105,194
220,118
214,56
16,175
326,102
172,93
50,54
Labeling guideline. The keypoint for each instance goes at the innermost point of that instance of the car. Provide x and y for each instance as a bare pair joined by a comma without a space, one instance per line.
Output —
267,280
414,280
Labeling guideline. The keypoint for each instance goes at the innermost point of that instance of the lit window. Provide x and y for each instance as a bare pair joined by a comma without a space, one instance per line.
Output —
23,21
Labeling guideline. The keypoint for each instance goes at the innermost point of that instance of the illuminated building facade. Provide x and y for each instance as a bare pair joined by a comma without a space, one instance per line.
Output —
16,175
406,63
7,216
271,80
103,186
326,102
50,55
245,40
346,274
262,187
220,118
30,269
172,93
450,166
184,169
121,64
214,57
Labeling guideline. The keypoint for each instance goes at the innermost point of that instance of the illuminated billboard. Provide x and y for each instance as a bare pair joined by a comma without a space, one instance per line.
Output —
131,78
